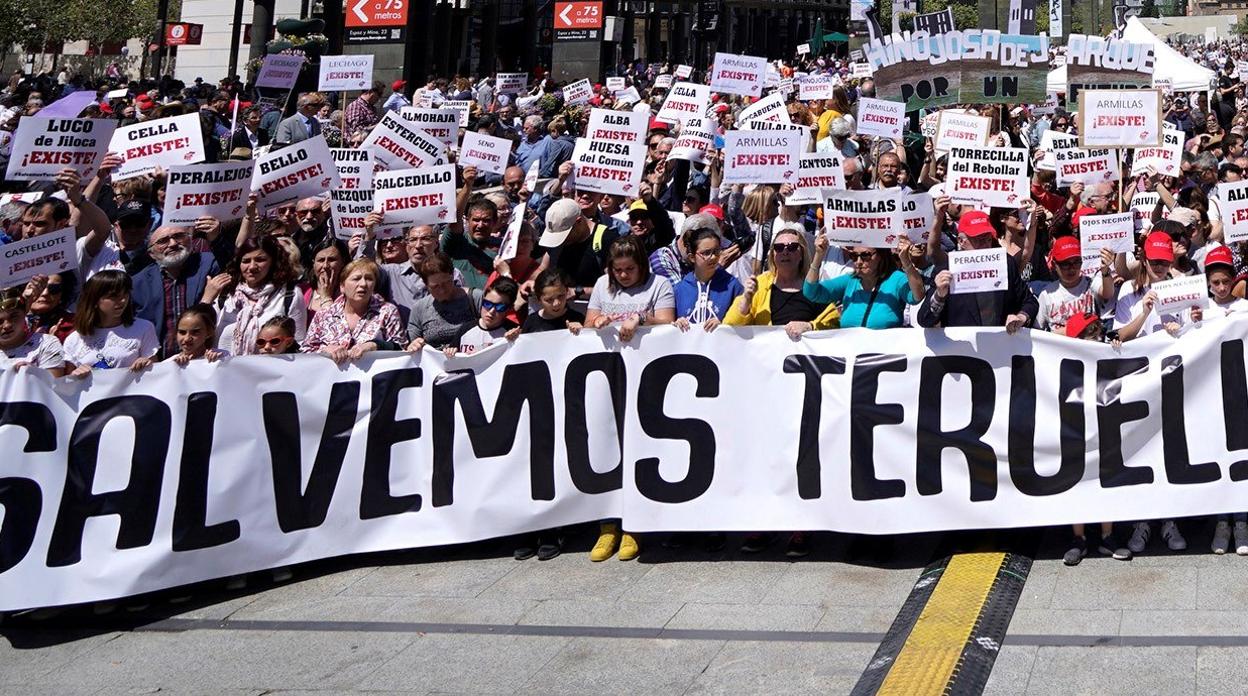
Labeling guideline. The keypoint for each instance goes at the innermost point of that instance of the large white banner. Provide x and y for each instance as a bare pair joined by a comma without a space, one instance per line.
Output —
126,483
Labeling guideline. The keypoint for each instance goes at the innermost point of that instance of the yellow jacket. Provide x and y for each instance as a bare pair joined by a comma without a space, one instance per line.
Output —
760,309
825,122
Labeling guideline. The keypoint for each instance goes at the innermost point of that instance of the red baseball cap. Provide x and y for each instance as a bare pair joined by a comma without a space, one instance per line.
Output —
975,223
1078,323
1220,256
1065,248
656,124
714,210
1158,247
398,85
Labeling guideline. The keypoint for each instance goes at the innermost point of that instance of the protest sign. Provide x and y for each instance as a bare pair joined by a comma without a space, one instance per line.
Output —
45,254
355,167
966,130
510,244
1177,294
929,124
683,72
803,131
816,171
1114,231
917,212
485,152
119,93
786,86
409,197
803,49
629,96
463,106
737,74
1094,62
579,92
161,143
878,117
978,270
997,176
278,71
42,147
696,139
1142,205
616,84
297,171
610,158
814,87
399,146
769,108
530,177
685,100
862,218
663,81
1050,143
1085,166
511,83
349,208
440,124
216,190
1089,262
1233,203
1165,159
1120,118
752,157
346,73
1241,69
1049,107
860,70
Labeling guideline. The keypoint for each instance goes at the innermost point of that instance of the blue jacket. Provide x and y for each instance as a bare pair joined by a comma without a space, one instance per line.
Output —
149,288
721,291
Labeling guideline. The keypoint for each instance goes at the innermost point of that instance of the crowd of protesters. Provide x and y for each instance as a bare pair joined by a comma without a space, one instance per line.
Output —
689,251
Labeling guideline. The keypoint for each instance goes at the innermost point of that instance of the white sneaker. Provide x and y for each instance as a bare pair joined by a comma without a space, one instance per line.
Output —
1174,538
1221,537
1241,538
1140,533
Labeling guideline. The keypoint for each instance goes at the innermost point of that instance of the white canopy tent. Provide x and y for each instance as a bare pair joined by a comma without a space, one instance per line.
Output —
1168,64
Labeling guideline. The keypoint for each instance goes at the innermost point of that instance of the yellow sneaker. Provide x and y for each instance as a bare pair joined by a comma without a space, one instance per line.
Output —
608,540
629,548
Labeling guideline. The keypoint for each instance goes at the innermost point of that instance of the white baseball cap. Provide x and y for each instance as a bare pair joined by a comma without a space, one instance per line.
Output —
561,217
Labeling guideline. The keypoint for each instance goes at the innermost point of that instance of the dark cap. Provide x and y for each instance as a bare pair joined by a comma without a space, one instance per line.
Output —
134,209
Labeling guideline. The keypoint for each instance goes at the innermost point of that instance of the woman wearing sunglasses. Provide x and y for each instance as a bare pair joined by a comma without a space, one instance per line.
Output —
875,294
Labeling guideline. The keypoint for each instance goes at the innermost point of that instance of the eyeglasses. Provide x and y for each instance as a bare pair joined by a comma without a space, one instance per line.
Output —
493,306
421,240
53,288
179,237
309,211
653,145
584,194
1159,263
1069,264
269,342
860,255
708,253
790,246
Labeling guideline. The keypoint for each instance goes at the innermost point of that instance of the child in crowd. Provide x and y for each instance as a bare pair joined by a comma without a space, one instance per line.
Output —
107,334
493,323
553,314
197,335
277,337
19,345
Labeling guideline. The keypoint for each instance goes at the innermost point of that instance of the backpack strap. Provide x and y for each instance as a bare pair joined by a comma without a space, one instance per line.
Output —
599,232
288,299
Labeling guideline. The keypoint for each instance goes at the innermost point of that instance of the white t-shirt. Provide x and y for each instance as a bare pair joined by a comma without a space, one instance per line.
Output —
119,346
108,259
1130,305
477,338
654,294
1058,303
40,350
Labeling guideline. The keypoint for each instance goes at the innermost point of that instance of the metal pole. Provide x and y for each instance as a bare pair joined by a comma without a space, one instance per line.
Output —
236,33
162,16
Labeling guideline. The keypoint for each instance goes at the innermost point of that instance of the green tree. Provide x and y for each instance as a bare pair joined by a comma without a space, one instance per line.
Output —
1241,27
1148,9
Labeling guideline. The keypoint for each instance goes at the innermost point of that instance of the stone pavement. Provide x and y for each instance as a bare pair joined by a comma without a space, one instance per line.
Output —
471,620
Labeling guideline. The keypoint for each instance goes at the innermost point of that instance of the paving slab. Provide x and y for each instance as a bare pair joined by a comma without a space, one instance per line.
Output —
841,584
25,658
452,578
466,663
623,666
729,582
1110,671
588,612
570,576
1111,584
747,617
784,668
1012,670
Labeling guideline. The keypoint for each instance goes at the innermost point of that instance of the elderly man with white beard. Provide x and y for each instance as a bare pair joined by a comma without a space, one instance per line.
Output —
176,280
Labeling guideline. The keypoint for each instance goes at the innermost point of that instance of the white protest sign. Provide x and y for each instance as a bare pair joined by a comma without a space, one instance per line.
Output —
463,106
1115,231
399,146
814,87
441,124
929,124
45,254
803,131
816,172
663,81
610,158
696,139
1048,107
349,208
917,211
485,152
1177,294
164,142
683,72
879,117
616,84
355,167
579,92
1165,159
978,270
769,108
966,130
803,49
120,93
297,171
1142,205
1050,143
511,83
737,74
861,70
42,147
510,244
862,218
279,71
416,196
1089,262
1085,166
1241,69
684,100
786,85
997,176
628,96
754,157
1119,117
530,177
1233,202
346,73
215,190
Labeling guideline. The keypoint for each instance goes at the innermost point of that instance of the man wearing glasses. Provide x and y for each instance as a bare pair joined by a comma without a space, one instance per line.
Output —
401,282
311,217
162,290
302,124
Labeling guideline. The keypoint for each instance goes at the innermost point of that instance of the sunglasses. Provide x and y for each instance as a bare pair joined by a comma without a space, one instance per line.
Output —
860,256
493,306
53,288
269,342
790,246
1070,263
